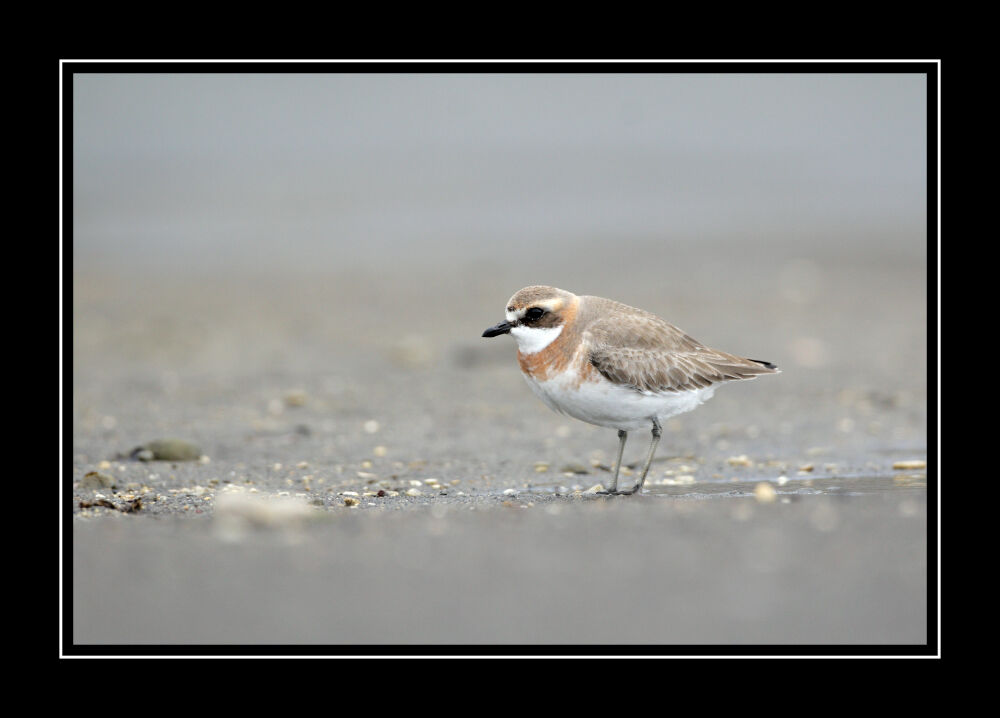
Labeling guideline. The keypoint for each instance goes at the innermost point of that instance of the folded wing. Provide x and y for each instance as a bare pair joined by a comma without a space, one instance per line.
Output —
649,355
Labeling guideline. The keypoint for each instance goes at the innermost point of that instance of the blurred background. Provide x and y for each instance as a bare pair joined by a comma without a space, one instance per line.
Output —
349,236
381,171
425,196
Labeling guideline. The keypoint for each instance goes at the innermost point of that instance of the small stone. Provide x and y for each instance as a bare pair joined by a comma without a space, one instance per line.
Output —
167,450
541,467
351,501
380,451
782,480
596,488
302,465
764,492
741,460
912,464
295,397
104,465
574,469
96,480
509,492
806,468
414,492
370,426
348,493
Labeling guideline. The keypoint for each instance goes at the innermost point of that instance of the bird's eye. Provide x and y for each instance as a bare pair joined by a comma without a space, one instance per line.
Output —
534,313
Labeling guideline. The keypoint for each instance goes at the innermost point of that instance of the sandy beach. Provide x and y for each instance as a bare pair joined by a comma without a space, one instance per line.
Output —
485,532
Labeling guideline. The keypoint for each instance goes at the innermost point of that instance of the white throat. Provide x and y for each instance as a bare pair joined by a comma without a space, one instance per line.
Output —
531,340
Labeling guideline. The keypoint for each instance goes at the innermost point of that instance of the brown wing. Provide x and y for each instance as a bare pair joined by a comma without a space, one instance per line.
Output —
641,351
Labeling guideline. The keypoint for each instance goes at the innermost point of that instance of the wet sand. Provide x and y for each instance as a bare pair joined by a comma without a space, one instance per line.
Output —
322,386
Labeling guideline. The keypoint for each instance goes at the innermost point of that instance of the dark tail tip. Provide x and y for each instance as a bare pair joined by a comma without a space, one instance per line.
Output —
768,364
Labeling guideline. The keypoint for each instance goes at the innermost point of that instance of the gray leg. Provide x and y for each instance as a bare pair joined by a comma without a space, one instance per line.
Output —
649,458
622,436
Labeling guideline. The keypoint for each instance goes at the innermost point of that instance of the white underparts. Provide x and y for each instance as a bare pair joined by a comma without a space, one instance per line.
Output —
604,403
531,340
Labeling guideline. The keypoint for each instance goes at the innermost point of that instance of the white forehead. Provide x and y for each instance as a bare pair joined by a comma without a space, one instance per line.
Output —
552,304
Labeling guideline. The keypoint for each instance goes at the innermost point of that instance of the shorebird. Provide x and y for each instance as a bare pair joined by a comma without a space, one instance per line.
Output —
613,365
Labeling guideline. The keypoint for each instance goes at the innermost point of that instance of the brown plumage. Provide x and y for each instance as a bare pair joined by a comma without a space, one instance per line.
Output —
633,347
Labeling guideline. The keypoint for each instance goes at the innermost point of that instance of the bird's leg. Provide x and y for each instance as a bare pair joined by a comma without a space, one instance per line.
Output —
649,458
622,436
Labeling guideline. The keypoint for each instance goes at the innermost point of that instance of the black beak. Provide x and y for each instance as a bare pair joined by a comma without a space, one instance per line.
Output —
497,330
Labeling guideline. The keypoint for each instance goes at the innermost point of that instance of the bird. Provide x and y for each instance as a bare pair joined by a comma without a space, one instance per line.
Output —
613,365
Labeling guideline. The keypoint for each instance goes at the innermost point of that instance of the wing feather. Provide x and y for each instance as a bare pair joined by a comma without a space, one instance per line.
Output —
643,352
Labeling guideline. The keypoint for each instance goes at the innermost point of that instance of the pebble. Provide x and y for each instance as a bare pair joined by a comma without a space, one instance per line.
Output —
351,501
806,468
510,492
167,450
413,492
96,480
295,397
380,451
370,426
912,464
594,489
764,492
237,512
541,467
741,460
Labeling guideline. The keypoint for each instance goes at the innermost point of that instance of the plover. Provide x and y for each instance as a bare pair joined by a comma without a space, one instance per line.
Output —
613,365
